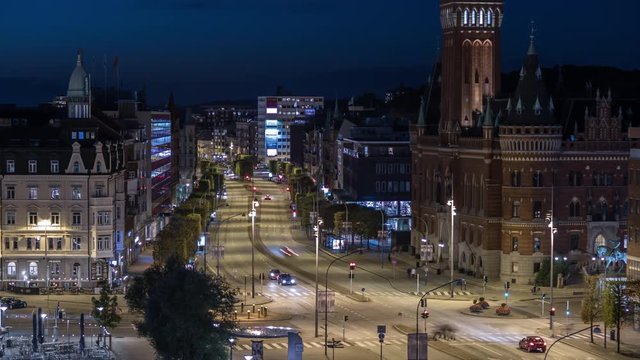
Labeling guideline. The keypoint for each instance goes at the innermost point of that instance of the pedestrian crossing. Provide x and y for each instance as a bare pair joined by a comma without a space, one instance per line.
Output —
496,338
304,293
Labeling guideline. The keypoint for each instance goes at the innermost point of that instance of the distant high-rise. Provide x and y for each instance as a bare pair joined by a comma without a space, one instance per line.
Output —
276,115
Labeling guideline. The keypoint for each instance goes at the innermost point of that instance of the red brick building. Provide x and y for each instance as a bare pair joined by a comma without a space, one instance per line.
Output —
509,161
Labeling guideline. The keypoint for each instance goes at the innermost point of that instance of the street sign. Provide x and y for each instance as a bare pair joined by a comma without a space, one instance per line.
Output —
382,329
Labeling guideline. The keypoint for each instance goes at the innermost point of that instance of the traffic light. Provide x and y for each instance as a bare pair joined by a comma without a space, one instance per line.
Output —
507,285
425,313
352,266
506,294
423,302
346,317
552,312
255,188
295,213
485,280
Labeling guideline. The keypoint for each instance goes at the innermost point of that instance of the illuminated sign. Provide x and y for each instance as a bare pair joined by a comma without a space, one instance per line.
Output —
309,112
271,132
271,122
272,110
272,152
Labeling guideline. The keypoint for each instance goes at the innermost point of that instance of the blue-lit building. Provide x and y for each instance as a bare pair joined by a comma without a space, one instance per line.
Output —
276,116
161,162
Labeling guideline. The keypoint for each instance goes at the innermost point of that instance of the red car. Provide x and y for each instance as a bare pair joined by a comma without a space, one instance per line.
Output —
533,343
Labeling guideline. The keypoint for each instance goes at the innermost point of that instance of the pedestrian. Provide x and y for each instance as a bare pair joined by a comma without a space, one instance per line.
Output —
389,257
408,273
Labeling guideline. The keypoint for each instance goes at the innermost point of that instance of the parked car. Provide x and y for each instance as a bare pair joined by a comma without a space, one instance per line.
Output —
533,343
286,279
13,303
273,274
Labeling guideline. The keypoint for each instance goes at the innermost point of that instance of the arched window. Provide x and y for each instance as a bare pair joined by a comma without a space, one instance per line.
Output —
33,268
76,167
99,166
474,15
490,17
11,269
574,208
465,17
481,19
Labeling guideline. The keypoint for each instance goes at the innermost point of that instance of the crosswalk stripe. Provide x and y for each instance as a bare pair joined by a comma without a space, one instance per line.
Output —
279,346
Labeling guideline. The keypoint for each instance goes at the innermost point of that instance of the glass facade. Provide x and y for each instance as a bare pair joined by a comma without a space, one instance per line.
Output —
161,160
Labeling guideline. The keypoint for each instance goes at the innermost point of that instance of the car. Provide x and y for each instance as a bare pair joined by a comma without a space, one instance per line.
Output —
13,303
286,279
273,274
267,197
533,343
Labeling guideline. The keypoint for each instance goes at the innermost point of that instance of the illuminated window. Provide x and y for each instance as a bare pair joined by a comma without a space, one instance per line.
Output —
76,218
537,244
104,242
33,268
490,17
481,19
11,269
76,167
55,193
33,192
76,243
76,192
104,218
11,166
55,166
474,15
514,244
465,17
33,166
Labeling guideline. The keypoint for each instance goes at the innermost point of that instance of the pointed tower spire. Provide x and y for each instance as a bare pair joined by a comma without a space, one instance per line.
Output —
551,106
532,36
509,107
488,114
537,108
519,106
336,110
79,58
538,73
586,112
523,72
498,118
598,94
609,95
421,115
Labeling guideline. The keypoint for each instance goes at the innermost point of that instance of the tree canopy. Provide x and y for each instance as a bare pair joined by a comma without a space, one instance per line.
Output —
187,313
105,308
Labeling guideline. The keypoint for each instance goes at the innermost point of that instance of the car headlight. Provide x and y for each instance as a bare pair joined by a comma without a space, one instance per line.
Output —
293,281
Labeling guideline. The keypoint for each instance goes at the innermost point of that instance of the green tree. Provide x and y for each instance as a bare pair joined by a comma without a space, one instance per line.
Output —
105,308
187,314
615,307
590,310
559,267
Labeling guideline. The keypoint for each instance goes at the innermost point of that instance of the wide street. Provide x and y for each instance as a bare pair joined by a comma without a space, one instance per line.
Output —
388,297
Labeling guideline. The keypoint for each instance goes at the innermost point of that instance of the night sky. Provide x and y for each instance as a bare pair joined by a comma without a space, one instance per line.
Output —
206,50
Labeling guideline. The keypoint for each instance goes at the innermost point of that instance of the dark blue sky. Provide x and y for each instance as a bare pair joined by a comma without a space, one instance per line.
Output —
227,49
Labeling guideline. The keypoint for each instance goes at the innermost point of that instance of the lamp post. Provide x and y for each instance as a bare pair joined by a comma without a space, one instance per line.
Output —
318,232
218,241
46,224
551,261
453,213
381,237
424,296
326,292
232,343
346,222
44,317
252,213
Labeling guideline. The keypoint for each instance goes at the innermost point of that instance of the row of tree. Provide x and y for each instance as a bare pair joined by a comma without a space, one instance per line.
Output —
609,302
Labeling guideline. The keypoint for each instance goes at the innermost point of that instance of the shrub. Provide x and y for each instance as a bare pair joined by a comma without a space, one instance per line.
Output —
504,309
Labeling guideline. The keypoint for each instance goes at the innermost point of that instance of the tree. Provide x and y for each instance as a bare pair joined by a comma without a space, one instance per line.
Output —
105,308
187,313
559,267
590,311
615,307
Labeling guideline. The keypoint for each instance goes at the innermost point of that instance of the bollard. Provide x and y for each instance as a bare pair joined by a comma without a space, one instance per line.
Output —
248,314
241,307
254,308
265,311
262,310
235,315
259,314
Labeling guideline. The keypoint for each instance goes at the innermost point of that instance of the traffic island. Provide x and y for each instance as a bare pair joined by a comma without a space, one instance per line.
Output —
445,346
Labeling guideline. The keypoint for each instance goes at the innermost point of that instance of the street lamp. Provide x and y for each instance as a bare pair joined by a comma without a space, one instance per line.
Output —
318,232
218,242
453,213
252,214
46,224
326,293
346,222
551,261
381,237
232,343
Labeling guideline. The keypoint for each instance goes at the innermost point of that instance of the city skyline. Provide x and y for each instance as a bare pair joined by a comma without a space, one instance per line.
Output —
203,51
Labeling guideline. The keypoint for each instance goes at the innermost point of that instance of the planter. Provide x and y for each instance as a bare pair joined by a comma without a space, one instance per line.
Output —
503,310
475,308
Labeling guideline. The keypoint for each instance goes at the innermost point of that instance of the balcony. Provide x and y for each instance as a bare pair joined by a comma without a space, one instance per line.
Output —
101,201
